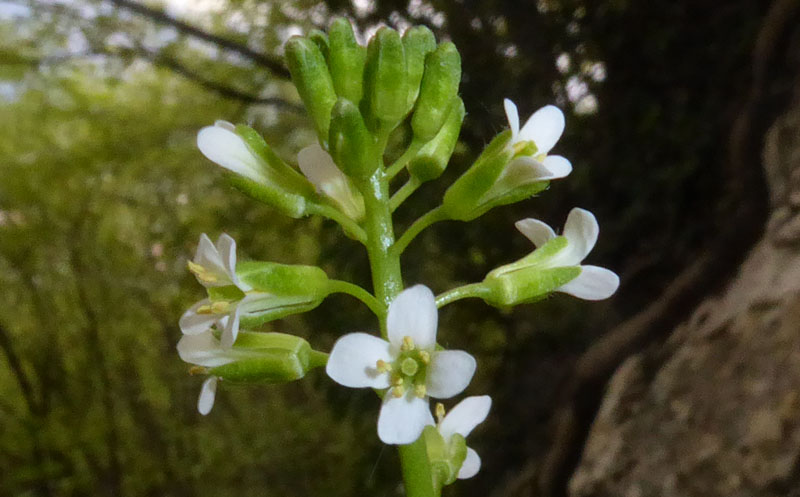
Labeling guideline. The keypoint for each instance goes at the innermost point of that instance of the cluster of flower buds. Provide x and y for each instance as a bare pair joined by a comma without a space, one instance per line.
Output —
357,96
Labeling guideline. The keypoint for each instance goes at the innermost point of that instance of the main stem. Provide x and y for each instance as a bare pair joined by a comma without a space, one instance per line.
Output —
387,281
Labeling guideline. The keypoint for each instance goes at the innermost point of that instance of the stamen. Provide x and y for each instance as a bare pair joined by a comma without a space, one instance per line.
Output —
439,412
204,309
397,381
207,278
195,370
420,391
220,307
524,148
408,344
409,366
398,391
195,268
383,366
425,356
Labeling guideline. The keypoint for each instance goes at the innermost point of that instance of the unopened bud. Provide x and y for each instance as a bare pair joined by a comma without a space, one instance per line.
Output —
439,87
385,77
418,42
313,81
351,144
432,159
346,61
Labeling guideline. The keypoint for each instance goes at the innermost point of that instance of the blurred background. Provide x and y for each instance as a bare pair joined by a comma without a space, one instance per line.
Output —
682,127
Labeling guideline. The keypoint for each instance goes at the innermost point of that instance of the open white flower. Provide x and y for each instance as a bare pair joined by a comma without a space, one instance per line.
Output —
543,128
320,169
462,419
580,230
408,365
215,265
221,144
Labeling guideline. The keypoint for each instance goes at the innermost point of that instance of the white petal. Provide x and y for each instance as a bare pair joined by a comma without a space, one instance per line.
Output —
192,323
580,230
450,372
413,313
231,330
513,117
465,416
203,349
544,128
207,393
526,169
317,165
471,465
226,247
225,124
207,254
227,149
353,359
558,167
402,420
594,283
536,231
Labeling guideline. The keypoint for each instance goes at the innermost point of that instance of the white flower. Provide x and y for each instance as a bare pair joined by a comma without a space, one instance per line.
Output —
543,128
320,169
215,266
580,230
205,350
462,419
221,144
408,365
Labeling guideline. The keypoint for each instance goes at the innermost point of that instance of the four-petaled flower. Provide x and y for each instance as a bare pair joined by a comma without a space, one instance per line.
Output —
462,419
205,350
543,128
408,366
580,230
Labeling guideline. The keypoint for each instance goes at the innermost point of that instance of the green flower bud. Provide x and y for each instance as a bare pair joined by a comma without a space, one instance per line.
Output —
385,78
313,81
530,278
418,42
268,358
432,159
321,40
351,144
464,200
439,86
346,61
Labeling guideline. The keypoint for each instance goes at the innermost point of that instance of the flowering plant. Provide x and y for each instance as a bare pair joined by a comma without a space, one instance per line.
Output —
358,97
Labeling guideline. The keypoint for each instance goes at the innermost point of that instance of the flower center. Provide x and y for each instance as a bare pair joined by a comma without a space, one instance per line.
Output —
202,273
409,371
524,148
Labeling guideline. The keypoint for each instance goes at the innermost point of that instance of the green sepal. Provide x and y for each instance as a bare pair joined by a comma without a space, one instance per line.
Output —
284,279
418,42
439,85
321,40
280,307
530,278
313,81
351,144
346,60
268,358
385,77
462,201
290,204
446,458
227,292
278,170
432,159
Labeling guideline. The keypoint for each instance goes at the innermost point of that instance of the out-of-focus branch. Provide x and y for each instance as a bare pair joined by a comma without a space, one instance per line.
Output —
160,17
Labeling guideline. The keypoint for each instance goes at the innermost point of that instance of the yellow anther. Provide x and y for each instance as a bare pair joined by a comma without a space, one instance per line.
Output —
425,356
204,309
383,366
408,343
207,278
439,412
398,392
220,307
519,147
397,381
195,268
195,370
420,391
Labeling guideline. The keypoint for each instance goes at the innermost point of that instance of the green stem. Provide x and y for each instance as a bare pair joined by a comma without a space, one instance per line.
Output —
350,227
388,282
317,359
474,290
403,193
401,161
416,228
338,286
